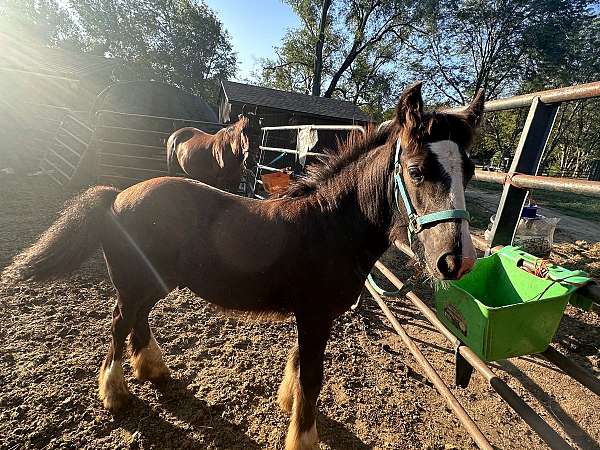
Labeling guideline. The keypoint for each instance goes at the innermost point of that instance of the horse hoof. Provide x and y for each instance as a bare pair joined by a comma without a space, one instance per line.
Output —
162,380
156,375
116,402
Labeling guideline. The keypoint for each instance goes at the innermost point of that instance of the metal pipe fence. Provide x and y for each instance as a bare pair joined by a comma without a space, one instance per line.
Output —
535,422
569,185
523,172
552,96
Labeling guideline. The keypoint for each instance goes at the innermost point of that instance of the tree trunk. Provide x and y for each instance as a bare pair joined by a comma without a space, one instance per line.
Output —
347,62
318,66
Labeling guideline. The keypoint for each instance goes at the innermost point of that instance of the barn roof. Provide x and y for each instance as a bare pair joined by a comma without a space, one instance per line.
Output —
22,56
292,101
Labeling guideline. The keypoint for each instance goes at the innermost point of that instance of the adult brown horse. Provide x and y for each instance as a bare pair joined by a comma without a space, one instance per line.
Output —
215,159
307,252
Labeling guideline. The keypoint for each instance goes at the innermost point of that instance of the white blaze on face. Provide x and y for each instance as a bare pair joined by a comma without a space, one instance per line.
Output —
449,156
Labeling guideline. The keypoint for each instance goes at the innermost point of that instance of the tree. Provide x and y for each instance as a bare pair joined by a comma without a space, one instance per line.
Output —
510,47
465,45
341,49
44,21
318,66
180,42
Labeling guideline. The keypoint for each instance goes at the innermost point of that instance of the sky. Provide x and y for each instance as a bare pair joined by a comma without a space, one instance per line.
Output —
255,27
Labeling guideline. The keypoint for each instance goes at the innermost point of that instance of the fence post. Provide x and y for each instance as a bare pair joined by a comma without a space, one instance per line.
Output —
528,156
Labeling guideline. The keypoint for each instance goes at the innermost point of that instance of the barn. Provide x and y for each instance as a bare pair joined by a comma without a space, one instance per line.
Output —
284,108
289,110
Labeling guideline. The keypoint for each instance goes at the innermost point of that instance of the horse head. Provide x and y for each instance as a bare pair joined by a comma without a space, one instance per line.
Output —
431,171
250,133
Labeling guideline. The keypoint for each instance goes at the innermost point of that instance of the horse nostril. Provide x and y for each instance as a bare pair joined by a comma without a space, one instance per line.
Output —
449,265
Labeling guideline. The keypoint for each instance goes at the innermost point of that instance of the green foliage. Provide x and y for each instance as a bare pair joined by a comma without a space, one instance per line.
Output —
510,47
181,42
465,45
38,20
361,46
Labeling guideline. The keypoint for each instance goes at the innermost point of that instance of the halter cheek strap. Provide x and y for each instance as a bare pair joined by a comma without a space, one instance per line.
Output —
416,222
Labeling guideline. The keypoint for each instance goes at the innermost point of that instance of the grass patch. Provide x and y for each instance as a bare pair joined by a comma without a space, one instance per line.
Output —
480,216
574,205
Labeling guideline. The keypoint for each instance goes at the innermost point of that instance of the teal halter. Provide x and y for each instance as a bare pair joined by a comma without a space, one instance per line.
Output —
415,221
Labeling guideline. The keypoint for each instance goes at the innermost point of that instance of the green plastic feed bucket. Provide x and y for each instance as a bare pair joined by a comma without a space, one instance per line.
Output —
500,310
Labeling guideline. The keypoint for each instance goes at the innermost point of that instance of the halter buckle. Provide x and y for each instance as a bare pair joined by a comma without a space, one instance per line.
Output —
413,224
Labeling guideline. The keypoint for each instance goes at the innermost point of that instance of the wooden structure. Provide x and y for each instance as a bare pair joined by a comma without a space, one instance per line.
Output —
283,115
279,108
39,87
121,140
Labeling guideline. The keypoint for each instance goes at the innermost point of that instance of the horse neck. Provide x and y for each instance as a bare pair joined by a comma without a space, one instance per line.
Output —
356,205
234,135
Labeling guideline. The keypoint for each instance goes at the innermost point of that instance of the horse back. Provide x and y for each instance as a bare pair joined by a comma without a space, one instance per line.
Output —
221,246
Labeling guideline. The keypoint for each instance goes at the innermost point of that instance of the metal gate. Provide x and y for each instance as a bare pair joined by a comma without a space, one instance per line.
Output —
273,159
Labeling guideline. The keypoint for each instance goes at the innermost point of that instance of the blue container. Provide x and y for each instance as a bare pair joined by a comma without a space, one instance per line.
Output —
529,212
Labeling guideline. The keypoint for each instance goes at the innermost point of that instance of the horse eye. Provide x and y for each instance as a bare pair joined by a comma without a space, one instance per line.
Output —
415,173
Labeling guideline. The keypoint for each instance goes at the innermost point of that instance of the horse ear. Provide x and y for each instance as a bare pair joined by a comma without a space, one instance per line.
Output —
410,107
244,110
256,110
474,111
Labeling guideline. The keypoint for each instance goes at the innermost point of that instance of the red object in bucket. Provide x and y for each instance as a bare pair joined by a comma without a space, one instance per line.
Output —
276,182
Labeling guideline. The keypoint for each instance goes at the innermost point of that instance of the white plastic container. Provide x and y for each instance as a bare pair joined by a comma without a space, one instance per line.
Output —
535,236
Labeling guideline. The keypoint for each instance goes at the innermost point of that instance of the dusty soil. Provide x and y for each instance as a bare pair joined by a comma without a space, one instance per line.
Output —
226,371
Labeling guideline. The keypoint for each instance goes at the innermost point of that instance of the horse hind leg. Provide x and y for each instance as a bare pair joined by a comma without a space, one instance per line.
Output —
288,386
146,355
112,388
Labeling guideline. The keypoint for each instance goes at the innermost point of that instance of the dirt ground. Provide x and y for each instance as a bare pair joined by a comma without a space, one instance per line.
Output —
226,371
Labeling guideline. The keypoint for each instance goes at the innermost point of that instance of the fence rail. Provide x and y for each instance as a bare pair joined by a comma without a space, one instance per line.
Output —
525,166
147,116
560,95
570,185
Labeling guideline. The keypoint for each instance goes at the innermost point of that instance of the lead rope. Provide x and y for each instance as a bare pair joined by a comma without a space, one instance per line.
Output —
382,291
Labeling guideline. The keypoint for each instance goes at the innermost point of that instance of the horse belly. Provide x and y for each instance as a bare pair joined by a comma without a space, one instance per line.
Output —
237,270
200,165
174,232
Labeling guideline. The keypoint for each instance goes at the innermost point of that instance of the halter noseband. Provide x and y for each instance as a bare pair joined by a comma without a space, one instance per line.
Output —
416,222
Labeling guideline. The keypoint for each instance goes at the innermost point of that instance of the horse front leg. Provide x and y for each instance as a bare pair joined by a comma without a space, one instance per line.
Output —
313,334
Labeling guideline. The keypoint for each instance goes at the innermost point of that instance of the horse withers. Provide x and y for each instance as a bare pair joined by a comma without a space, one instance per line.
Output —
306,252
215,159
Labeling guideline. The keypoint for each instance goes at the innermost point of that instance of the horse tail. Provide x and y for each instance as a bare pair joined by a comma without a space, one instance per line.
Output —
72,239
172,154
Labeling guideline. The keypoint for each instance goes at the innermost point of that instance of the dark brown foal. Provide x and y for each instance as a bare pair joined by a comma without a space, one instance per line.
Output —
307,252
